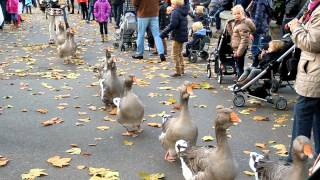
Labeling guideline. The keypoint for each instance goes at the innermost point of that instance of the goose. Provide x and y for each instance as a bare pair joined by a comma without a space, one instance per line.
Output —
68,48
209,162
130,109
110,84
61,34
274,170
181,127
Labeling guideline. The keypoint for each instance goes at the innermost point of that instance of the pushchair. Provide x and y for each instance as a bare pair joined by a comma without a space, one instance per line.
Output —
200,50
262,90
126,34
222,57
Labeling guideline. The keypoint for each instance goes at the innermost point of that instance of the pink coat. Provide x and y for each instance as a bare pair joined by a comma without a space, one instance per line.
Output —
12,6
102,10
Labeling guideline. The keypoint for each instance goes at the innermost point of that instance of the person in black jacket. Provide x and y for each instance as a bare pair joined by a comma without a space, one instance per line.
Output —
117,8
272,53
179,27
223,5
292,9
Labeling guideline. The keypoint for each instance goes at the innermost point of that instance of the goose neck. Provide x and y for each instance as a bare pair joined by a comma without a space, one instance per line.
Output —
221,135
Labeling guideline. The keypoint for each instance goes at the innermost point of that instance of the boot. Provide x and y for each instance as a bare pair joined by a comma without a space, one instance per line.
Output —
102,37
106,37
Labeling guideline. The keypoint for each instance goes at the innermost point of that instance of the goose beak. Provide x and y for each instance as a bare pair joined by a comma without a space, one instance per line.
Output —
189,89
234,118
307,150
134,79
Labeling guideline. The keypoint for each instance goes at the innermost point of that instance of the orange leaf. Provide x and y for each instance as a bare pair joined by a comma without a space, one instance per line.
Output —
113,111
3,161
261,145
42,111
52,121
154,124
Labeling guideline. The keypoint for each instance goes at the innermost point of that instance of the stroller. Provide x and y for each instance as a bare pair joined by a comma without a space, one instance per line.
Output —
200,50
262,90
222,56
126,34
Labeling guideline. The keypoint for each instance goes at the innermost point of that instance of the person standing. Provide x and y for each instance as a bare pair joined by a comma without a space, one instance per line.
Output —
306,36
71,9
84,8
292,9
148,15
91,7
240,30
260,13
102,11
12,9
117,8
179,27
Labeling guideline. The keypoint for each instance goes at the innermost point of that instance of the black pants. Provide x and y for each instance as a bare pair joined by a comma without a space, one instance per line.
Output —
103,26
72,6
84,10
117,12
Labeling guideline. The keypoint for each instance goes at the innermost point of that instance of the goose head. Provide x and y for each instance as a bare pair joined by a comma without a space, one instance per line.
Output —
128,82
111,64
180,146
185,91
226,117
302,148
108,53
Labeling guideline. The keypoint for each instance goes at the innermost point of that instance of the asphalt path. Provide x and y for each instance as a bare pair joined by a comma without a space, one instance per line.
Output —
33,77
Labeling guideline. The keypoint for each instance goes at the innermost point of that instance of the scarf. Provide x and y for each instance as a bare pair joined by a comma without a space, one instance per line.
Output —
312,6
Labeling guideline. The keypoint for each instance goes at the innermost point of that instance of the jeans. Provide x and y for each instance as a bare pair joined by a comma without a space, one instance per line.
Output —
259,41
117,12
90,13
153,23
248,74
306,117
217,18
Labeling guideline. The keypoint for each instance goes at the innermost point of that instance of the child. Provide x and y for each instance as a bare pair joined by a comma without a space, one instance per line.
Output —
28,4
272,53
199,33
12,10
164,19
200,16
240,29
179,27
102,12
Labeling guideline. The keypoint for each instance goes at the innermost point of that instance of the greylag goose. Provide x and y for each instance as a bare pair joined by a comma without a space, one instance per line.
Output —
110,85
61,34
68,48
208,162
181,127
274,170
130,110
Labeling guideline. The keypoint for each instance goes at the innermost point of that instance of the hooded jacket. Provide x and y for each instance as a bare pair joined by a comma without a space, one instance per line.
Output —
12,6
102,10
197,36
178,24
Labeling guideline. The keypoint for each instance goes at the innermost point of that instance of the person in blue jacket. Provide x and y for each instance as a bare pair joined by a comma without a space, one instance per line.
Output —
199,33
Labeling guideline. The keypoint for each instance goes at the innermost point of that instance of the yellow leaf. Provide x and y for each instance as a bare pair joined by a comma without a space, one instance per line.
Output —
246,152
113,111
161,114
55,120
260,118
3,161
165,88
163,75
82,113
261,145
102,128
206,85
147,176
153,94
74,151
103,174
154,124
249,173
92,108
33,173
128,143
247,111
207,138
42,111
80,167
152,115
59,162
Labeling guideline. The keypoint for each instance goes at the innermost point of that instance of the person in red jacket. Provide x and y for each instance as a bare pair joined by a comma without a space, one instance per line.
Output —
84,8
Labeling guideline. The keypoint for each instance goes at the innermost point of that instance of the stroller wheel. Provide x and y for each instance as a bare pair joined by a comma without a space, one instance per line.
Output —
281,103
209,72
239,100
193,57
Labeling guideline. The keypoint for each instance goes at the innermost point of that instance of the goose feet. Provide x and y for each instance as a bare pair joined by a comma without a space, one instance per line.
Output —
169,158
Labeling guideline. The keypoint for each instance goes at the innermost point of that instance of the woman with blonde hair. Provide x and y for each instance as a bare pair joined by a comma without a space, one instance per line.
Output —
240,29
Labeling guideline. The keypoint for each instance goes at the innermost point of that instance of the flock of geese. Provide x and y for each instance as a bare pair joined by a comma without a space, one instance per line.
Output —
179,135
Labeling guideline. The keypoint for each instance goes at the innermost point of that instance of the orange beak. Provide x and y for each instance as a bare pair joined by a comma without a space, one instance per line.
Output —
307,150
134,79
189,89
234,117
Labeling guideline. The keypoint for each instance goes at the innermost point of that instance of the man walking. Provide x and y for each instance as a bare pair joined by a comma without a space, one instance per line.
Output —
148,15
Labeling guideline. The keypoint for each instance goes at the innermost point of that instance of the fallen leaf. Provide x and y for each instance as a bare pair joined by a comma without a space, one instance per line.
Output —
281,149
102,128
246,152
33,173
147,176
260,118
42,111
103,174
247,111
87,119
106,118
74,150
24,110
205,85
59,162
261,145
128,143
3,161
92,108
55,120
249,173
113,111
80,167
74,145
152,115
82,113
154,124
207,138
